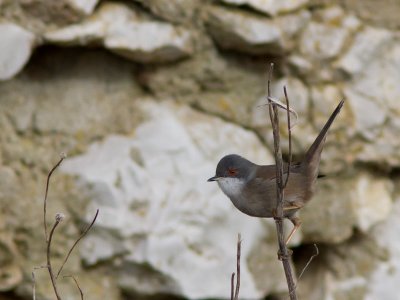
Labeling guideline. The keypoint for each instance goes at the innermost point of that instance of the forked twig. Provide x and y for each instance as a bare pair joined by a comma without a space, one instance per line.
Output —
76,283
49,237
85,231
280,186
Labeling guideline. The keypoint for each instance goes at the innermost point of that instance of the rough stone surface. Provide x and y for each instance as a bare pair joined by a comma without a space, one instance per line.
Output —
142,153
85,6
147,224
362,202
16,45
174,11
244,32
123,31
270,7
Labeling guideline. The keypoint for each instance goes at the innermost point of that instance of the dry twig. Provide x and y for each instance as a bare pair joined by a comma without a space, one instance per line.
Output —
235,289
76,283
63,156
85,231
284,253
49,237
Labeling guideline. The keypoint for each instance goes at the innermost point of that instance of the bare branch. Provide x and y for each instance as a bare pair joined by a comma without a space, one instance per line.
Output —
235,289
232,284
62,157
77,284
289,128
309,261
59,218
85,231
239,245
283,253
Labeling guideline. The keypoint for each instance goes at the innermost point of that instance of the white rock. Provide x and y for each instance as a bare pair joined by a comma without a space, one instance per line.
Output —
323,41
372,201
244,32
271,7
384,282
122,30
369,115
324,99
16,45
85,6
340,205
291,25
153,195
365,49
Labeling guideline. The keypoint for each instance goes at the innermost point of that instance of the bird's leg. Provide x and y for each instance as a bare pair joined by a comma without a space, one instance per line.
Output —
296,223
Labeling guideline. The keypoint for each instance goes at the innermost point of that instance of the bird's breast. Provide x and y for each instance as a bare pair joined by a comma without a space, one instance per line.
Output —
232,187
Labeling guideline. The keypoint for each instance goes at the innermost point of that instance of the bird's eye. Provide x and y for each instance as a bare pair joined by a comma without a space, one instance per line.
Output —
232,171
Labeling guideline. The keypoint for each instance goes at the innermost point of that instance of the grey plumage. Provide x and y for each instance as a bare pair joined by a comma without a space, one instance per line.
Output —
252,187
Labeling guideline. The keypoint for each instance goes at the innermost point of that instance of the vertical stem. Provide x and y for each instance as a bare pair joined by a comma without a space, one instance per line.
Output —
49,266
283,251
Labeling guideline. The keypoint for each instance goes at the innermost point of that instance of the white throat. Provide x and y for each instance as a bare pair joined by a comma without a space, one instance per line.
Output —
232,187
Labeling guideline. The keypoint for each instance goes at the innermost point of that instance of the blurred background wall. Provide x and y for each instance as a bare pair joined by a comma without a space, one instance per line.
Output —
146,96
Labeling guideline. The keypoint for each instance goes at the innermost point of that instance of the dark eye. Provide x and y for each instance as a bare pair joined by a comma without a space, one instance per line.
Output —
232,171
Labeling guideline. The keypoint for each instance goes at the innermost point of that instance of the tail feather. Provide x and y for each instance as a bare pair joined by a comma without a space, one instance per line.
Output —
314,152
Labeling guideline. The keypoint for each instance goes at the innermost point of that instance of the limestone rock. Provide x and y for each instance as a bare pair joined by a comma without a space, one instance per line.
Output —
16,45
241,31
10,268
124,31
84,6
153,197
385,277
270,7
174,11
373,65
365,48
334,212
326,37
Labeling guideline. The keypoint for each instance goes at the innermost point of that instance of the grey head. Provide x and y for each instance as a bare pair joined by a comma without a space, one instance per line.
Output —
232,174
234,166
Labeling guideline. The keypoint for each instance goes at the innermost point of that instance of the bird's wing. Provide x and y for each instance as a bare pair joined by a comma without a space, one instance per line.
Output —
268,172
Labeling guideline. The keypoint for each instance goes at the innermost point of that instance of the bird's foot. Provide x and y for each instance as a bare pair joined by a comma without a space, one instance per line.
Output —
283,256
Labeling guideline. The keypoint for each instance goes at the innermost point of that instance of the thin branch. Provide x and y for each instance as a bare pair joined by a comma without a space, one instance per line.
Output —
62,157
77,284
232,284
235,289
289,128
309,261
239,244
59,218
306,266
283,253
85,231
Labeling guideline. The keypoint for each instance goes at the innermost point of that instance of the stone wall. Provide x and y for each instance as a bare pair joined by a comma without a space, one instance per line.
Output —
146,96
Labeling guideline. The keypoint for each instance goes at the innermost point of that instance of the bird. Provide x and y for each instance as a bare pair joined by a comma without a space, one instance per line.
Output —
252,187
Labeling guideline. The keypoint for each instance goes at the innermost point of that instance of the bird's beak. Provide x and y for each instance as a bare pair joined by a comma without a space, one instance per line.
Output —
215,178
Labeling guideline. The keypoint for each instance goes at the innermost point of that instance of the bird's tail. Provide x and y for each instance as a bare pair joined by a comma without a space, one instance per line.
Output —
313,154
